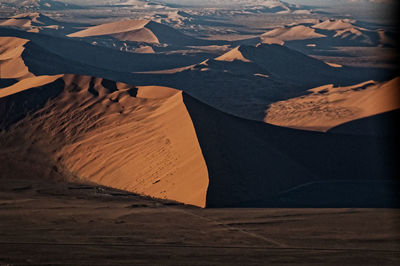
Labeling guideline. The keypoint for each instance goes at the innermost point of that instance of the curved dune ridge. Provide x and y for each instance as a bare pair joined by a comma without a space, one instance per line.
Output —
12,66
328,106
126,30
295,33
136,139
143,30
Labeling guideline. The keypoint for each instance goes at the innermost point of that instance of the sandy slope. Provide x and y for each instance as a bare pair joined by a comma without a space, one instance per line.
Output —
140,140
12,66
329,106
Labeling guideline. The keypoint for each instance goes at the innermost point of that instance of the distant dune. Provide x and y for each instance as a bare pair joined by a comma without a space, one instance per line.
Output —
36,22
294,33
333,24
327,106
145,31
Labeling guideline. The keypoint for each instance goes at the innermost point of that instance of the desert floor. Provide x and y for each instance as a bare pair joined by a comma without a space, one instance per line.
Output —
45,223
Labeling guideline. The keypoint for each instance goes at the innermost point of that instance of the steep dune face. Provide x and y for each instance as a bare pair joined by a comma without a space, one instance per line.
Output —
12,66
327,106
136,139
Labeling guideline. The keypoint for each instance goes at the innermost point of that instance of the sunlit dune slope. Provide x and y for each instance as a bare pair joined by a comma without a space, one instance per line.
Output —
136,139
12,66
233,55
329,106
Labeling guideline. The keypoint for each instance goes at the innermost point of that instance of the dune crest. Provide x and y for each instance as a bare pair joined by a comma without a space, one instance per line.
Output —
111,28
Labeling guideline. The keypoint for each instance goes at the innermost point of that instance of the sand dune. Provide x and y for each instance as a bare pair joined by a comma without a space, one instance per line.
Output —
12,66
328,106
299,32
145,31
26,84
136,139
233,55
111,28
11,47
155,141
33,22
333,24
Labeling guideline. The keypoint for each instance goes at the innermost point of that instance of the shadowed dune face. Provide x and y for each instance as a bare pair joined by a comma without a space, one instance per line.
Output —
136,139
255,164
